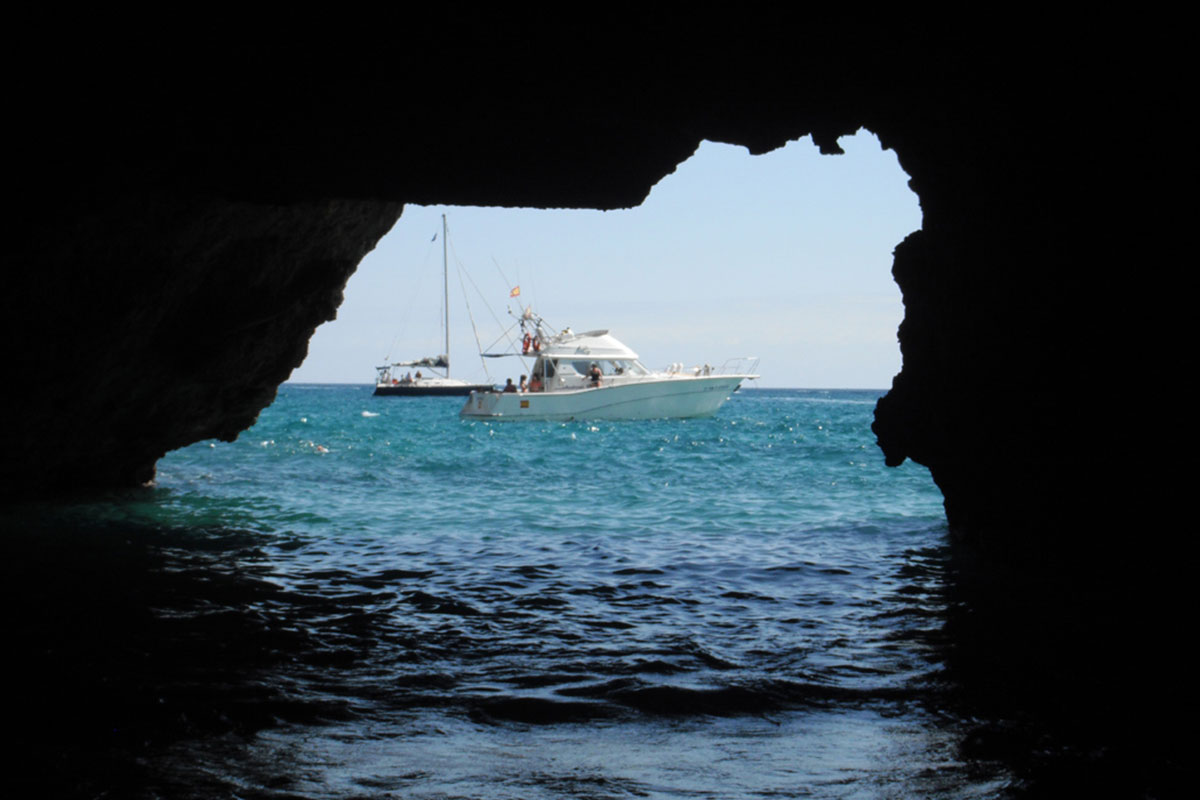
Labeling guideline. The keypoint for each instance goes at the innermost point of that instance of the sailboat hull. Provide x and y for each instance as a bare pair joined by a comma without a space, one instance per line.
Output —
440,388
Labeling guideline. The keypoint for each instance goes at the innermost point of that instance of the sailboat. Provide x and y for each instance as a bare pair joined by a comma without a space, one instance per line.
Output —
389,381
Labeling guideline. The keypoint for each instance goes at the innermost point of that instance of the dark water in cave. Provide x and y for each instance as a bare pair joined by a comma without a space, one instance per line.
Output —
367,597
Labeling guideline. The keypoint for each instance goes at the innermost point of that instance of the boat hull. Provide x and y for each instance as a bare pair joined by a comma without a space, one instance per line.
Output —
670,398
430,390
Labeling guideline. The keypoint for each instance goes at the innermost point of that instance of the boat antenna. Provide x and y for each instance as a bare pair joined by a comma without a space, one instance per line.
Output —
446,294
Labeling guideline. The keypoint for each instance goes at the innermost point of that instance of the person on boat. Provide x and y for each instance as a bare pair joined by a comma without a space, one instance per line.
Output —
418,375
524,387
509,387
594,374
535,383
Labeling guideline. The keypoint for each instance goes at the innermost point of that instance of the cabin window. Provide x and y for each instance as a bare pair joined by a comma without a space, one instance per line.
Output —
584,368
625,367
607,367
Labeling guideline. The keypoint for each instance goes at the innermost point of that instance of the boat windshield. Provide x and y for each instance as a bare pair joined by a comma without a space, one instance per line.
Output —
608,367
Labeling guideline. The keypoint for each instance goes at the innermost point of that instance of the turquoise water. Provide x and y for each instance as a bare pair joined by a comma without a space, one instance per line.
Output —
377,598
771,462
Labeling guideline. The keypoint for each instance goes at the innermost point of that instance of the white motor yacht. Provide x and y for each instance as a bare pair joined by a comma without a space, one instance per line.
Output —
594,376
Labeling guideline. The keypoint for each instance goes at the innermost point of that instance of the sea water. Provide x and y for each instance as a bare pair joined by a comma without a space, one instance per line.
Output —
370,597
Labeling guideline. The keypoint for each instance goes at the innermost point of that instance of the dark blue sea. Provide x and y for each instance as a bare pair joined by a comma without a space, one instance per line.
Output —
368,597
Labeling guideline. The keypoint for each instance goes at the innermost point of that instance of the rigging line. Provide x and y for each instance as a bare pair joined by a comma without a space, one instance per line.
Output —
460,270
533,301
471,316
509,284
504,335
412,299
483,297
504,332
463,271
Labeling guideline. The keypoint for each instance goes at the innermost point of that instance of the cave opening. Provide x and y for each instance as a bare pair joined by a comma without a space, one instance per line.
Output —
785,256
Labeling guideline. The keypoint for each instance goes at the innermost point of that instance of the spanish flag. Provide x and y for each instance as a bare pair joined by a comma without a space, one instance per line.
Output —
516,292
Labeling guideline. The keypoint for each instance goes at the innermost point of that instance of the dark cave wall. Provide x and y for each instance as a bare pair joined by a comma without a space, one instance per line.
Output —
189,220
153,321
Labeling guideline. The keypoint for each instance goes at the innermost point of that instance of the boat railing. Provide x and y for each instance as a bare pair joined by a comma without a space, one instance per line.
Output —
742,365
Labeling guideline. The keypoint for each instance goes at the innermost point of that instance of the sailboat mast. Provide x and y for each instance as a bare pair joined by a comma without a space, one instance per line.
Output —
446,295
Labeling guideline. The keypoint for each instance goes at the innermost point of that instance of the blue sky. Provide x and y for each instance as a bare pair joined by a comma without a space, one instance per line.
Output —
784,256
